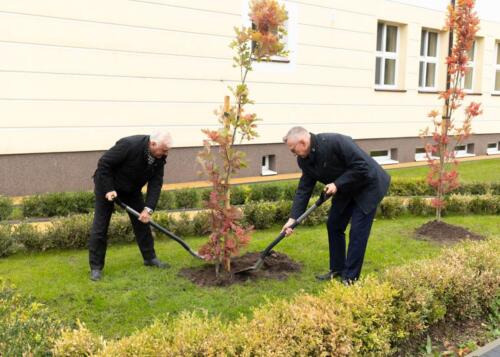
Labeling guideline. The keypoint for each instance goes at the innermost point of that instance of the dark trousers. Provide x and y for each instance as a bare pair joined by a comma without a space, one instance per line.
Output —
348,265
99,234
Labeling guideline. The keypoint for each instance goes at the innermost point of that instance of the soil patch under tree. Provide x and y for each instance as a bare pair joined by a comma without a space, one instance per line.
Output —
276,266
445,233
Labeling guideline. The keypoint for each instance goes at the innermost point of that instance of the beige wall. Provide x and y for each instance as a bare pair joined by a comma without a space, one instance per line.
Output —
76,75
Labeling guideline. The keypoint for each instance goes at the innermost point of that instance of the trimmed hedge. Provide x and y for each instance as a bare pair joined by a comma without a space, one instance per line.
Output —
27,328
63,204
372,318
6,207
73,232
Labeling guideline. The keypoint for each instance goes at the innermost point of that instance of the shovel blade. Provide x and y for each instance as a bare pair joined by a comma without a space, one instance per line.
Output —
252,268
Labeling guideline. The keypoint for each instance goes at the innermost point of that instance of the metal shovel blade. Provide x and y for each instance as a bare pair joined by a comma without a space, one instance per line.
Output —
282,235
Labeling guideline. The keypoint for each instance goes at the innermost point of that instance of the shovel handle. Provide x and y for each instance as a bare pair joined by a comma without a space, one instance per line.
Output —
322,198
158,227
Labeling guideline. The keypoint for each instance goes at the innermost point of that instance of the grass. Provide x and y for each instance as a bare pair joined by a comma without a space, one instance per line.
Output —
469,171
131,296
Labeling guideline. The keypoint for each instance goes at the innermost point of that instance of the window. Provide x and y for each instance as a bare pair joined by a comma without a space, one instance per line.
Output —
386,56
420,155
268,165
464,150
497,69
384,157
493,148
428,60
468,80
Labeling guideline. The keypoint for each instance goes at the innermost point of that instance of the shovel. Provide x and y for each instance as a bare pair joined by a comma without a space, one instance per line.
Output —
160,228
322,198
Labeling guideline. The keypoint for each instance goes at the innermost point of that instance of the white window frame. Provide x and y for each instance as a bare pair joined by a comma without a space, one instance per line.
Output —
472,66
495,150
463,152
422,156
383,159
496,67
278,64
428,59
385,56
265,168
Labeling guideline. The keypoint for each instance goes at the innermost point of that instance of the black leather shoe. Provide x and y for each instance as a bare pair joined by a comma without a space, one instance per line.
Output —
328,276
95,274
155,262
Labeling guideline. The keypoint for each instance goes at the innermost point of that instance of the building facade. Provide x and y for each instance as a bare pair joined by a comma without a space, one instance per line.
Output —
75,76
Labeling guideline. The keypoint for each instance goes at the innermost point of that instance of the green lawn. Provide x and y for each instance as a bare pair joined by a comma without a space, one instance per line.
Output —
130,296
470,171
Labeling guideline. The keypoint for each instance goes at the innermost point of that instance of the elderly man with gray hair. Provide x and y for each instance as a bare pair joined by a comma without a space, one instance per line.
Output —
358,183
121,172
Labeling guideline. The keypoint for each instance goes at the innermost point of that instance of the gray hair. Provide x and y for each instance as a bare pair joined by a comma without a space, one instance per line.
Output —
295,132
161,137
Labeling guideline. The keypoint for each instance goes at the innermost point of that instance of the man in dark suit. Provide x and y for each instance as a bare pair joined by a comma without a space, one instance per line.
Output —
358,184
122,172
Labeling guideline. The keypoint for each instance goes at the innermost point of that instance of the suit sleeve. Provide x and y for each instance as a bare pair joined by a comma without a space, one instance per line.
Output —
357,167
111,159
302,195
154,188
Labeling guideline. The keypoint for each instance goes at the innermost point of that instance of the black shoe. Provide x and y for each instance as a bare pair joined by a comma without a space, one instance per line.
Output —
328,276
155,262
95,274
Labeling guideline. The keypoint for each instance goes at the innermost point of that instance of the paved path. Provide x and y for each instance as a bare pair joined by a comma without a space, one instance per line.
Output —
492,349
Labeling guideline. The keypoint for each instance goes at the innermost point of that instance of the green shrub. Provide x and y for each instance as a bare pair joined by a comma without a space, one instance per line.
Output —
31,238
319,215
77,342
166,201
27,328
289,189
495,188
58,204
239,194
8,245
256,193
391,207
283,209
272,192
6,207
473,188
409,187
419,206
371,318
201,223
459,204
261,215
187,198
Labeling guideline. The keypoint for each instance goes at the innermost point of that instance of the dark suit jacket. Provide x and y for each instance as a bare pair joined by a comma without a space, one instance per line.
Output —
335,158
124,168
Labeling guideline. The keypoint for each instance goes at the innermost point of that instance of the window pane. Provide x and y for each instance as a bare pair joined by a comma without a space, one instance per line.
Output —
379,153
380,33
432,44
391,38
390,71
420,151
498,53
468,79
421,74
422,43
378,68
430,74
470,53
497,81
492,145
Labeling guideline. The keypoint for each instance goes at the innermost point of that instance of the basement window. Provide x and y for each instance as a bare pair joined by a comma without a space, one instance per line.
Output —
420,155
268,165
464,150
385,157
493,148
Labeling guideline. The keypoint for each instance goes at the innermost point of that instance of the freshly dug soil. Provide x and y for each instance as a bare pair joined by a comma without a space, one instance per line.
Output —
445,233
276,266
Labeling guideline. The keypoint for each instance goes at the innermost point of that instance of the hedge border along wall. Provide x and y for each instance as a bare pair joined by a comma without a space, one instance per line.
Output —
66,203
371,318
73,232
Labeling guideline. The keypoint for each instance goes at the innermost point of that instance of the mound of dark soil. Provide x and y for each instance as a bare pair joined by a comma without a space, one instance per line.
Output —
445,233
276,266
